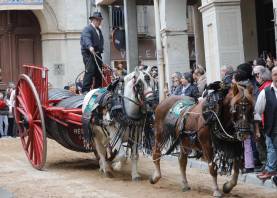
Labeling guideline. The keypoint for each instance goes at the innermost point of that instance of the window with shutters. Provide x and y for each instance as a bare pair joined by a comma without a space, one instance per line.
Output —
118,18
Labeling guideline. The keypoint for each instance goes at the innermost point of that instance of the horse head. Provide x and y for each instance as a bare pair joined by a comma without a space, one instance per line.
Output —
138,93
143,86
241,107
231,108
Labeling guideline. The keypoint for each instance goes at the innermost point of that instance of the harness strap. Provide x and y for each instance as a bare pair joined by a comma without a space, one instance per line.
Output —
182,133
125,97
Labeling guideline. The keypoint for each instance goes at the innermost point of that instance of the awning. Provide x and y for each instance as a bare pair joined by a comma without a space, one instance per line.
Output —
21,4
104,2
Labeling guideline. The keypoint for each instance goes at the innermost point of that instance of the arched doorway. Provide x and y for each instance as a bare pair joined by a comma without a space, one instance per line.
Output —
20,43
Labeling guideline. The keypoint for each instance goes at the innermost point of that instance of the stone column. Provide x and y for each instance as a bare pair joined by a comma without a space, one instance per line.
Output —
105,27
223,39
249,29
131,32
275,21
198,35
174,36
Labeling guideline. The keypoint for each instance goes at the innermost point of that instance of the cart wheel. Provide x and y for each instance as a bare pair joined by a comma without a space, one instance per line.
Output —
30,120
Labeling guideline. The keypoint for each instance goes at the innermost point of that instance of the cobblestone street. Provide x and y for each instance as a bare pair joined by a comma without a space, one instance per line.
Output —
72,174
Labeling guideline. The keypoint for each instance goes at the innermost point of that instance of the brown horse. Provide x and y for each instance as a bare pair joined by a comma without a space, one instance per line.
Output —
221,122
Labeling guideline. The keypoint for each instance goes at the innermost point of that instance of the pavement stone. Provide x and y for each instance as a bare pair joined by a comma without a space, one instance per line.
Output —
249,178
5,194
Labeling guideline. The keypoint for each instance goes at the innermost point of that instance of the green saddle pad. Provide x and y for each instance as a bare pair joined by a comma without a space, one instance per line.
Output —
181,105
92,104
174,113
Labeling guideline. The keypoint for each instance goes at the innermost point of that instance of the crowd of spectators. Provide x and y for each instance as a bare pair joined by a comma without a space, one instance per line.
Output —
7,99
260,149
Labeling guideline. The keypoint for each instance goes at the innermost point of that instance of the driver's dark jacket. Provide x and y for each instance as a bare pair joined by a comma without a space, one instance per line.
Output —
90,38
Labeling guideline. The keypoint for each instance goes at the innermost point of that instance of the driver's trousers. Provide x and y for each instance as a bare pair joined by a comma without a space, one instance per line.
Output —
92,75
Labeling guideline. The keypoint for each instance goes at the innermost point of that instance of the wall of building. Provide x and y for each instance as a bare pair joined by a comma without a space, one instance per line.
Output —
61,24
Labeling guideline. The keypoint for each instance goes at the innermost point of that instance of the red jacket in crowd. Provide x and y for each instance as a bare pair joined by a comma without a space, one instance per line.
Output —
2,104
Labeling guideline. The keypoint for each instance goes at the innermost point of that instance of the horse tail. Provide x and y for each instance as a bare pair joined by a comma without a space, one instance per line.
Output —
168,137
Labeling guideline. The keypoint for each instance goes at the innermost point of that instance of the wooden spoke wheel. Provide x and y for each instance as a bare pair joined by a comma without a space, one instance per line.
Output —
30,120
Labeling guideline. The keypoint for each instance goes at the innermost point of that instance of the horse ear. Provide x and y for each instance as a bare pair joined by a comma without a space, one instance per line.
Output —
235,89
136,72
148,70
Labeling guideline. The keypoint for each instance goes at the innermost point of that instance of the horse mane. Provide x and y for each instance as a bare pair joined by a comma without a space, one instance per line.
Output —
231,149
226,149
136,73
129,76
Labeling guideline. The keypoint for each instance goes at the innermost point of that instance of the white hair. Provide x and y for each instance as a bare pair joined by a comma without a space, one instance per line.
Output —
263,72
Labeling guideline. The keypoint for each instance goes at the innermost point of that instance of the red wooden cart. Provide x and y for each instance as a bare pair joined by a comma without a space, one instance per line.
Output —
55,114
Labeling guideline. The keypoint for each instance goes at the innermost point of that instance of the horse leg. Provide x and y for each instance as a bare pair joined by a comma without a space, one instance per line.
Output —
228,186
120,159
183,158
156,156
101,150
213,172
134,158
208,153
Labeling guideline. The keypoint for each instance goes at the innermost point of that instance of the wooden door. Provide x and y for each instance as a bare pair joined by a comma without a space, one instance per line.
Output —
20,43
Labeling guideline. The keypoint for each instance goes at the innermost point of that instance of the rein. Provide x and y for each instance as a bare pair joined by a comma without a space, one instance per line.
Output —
218,121
100,70
183,133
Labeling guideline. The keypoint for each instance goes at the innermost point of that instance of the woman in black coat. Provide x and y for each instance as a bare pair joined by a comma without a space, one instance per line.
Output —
187,88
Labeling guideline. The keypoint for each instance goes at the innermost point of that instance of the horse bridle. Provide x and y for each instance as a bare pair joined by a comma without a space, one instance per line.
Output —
212,101
139,92
140,104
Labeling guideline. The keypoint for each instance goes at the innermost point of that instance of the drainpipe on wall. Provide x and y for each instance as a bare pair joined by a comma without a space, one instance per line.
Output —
160,56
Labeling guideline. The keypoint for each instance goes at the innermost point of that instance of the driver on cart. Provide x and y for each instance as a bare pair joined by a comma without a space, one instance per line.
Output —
92,43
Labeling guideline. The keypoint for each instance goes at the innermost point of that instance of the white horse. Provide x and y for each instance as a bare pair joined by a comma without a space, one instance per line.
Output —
128,128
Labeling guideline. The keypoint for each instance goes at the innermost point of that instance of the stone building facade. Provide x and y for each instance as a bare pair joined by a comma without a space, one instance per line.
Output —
224,32
59,24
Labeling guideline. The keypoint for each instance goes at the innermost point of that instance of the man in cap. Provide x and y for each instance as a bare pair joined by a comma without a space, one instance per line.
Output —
92,43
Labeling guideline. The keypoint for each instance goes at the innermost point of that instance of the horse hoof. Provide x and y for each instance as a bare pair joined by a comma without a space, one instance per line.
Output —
108,174
226,189
185,189
217,194
151,180
117,166
136,179
154,180
101,171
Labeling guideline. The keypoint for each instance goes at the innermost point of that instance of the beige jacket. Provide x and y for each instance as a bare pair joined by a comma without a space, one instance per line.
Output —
201,83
